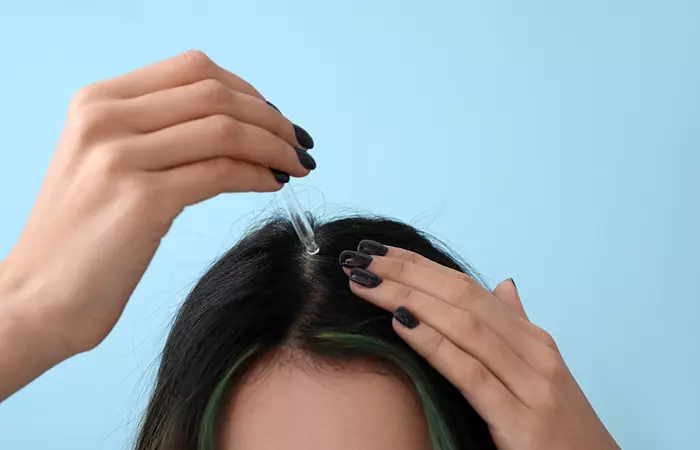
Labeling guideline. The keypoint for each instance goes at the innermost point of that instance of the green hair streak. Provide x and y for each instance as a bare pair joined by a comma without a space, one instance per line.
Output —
207,432
440,434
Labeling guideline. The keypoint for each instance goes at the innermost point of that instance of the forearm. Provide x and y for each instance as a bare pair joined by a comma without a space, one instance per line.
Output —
25,351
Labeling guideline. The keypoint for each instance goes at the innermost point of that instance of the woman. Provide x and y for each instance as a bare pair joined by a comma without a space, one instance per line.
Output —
135,151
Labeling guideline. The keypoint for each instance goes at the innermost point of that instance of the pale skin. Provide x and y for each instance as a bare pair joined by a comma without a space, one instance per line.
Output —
290,404
135,151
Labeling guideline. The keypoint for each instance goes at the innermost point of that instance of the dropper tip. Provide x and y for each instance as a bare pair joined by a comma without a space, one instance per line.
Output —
312,247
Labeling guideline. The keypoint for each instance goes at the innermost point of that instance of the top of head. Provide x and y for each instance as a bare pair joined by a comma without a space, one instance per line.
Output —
271,280
267,296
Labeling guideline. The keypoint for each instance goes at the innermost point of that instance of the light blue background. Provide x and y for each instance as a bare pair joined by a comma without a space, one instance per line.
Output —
553,141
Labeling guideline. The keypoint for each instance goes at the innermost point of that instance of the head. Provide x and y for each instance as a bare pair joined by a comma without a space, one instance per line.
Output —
272,350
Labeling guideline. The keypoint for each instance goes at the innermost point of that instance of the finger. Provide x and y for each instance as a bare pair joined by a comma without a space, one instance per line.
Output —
420,260
507,291
464,293
212,137
461,327
193,183
163,109
489,397
186,68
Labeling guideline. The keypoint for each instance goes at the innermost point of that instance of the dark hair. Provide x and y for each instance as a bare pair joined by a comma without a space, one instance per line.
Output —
267,293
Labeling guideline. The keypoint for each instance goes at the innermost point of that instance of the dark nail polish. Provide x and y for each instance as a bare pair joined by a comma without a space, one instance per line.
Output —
406,318
350,259
278,110
304,138
372,248
513,281
280,176
305,159
365,278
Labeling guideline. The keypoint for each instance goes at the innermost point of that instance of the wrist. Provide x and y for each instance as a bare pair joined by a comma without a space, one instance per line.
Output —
25,323
21,356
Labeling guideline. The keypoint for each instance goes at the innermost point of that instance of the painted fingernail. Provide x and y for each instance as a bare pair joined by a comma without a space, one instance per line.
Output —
278,110
351,259
281,177
365,278
513,281
372,248
306,160
406,318
303,137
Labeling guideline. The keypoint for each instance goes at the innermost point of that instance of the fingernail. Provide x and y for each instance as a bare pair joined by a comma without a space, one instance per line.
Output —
372,248
352,259
304,138
278,110
513,281
365,278
306,160
281,177
406,318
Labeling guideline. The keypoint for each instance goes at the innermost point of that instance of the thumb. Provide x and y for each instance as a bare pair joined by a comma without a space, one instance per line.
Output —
507,292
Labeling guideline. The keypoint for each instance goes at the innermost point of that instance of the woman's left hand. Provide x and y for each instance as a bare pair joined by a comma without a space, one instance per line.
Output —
510,370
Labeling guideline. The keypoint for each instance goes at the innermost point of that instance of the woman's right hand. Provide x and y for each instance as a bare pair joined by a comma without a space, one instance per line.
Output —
135,151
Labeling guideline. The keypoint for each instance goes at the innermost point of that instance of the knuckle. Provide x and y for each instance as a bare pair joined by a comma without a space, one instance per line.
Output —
467,323
85,95
227,129
464,277
461,290
552,366
436,344
413,258
399,269
109,157
214,91
544,337
474,373
405,294
90,119
548,398
410,257
196,61
141,195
